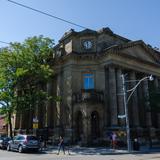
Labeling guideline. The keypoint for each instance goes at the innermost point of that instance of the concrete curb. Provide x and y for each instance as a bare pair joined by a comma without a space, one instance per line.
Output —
99,151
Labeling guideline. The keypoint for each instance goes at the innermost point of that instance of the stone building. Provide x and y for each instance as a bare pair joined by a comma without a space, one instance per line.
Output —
88,67
3,126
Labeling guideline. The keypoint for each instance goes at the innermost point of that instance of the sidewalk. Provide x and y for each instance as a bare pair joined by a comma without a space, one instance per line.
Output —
77,150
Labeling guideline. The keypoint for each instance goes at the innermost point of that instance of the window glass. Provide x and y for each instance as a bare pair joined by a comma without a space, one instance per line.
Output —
15,138
20,138
88,81
31,138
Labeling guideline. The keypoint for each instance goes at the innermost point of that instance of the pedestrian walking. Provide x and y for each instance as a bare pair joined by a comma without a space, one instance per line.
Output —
61,145
41,141
114,140
136,145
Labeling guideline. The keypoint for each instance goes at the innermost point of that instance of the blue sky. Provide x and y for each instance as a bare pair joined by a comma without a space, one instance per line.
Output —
133,19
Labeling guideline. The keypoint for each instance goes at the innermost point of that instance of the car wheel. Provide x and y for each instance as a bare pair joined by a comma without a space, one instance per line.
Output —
8,148
20,149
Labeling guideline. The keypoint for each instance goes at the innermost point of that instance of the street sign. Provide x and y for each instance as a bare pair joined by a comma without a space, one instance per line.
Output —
35,120
122,116
35,125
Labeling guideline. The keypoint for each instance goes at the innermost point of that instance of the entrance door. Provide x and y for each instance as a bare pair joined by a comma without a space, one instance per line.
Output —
95,132
79,125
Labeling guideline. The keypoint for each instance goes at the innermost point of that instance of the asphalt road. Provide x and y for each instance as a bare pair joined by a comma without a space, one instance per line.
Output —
5,155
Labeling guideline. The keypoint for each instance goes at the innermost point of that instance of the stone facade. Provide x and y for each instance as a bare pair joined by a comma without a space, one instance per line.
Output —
88,67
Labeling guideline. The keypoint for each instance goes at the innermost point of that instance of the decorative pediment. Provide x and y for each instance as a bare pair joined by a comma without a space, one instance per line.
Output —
140,53
138,50
87,31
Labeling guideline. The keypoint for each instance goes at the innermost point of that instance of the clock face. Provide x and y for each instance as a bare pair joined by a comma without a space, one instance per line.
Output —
87,44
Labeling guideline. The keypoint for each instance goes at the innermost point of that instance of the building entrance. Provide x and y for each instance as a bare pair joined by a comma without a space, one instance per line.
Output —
79,126
95,132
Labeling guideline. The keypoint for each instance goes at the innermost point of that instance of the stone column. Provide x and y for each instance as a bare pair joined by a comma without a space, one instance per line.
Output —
67,101
86,129
141,105
157,86
147,104
134,100
113,96
156,83
159,82
106,99
58,104
120,100
158,120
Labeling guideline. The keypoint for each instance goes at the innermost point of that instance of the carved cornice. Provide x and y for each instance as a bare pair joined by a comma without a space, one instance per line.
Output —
117,56
76,56
99,57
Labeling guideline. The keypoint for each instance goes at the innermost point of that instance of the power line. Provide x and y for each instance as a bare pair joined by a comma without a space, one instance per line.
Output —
4,42
47,14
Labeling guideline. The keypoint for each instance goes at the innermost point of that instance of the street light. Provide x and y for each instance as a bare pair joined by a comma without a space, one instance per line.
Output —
126,100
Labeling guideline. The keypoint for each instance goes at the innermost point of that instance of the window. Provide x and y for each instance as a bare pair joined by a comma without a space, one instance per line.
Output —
88,81
20,138
31,138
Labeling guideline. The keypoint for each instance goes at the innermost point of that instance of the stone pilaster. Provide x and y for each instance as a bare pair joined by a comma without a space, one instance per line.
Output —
147,104
113,96
58,118
141,104
120,99
67,103
106,99
158,120
134,99
156,83
157,88
86,129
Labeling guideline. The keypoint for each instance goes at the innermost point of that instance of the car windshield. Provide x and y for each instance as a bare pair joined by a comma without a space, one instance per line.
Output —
31,138
6,138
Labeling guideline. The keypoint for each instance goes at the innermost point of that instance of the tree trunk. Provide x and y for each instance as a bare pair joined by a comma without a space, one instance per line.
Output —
10,124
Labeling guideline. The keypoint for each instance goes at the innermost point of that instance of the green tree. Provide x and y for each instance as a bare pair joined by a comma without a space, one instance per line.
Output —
24,68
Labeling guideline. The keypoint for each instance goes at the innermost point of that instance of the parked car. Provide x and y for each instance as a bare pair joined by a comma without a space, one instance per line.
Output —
4,142
23,143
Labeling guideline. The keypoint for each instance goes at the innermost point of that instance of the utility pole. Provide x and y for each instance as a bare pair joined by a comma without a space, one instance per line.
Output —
126,99
126,113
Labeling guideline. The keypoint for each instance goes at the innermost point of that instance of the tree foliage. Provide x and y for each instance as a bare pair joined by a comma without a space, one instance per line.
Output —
24,69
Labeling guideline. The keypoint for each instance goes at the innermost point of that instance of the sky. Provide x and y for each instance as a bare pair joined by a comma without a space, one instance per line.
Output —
132,19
